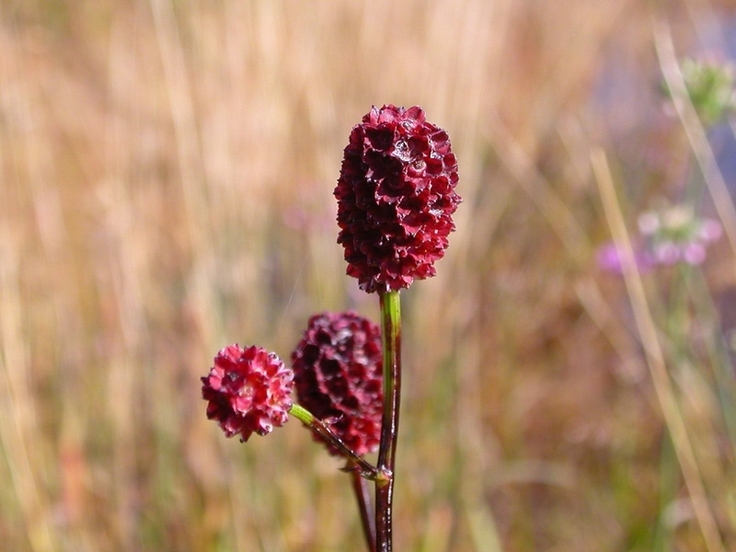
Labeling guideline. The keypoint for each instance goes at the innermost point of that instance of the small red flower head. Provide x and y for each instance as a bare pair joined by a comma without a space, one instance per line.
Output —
248,390
395,198
337,371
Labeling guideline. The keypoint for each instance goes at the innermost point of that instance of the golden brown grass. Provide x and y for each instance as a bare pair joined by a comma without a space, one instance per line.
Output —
166,176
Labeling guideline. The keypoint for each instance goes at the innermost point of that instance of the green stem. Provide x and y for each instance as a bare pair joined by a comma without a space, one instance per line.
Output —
391,338
366,469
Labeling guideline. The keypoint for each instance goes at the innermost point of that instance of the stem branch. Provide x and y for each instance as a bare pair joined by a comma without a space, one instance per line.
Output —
365,468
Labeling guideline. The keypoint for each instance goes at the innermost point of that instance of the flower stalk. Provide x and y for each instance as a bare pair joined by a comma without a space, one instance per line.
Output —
391,339
365,468
365,506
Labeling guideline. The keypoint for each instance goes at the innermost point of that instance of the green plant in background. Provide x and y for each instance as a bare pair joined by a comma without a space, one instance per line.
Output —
396,197
710,85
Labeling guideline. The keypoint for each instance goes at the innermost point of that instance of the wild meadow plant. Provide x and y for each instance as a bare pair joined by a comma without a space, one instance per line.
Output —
395,197
677,319
666,237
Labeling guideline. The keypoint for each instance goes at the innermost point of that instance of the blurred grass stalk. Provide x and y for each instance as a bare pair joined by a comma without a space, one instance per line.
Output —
18,423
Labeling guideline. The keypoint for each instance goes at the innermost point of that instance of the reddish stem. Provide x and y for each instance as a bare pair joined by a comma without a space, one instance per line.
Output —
365,505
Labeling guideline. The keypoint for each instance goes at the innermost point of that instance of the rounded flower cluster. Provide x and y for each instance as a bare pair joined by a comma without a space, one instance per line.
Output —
677,235
338,375
666,237
396,196
248,390
710,84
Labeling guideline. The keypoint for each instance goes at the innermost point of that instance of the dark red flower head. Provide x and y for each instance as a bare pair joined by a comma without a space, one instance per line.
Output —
337,371
395,197
249,390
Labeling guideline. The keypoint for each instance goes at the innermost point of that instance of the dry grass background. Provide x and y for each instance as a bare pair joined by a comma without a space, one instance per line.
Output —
166,176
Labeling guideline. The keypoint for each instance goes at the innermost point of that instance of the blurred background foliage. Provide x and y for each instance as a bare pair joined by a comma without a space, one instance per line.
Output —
166,177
